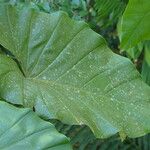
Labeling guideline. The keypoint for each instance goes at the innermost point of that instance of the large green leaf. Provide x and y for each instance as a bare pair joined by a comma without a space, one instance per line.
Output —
67,72
22,129
135,24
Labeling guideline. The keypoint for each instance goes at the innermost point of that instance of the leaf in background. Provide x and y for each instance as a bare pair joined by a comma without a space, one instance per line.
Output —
135,24
147,52
110,10
22,129
146,72
135,52
67,72
146,63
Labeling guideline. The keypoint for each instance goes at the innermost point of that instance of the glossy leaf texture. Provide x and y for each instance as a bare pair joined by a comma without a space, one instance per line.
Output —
66,71
135,25
21,128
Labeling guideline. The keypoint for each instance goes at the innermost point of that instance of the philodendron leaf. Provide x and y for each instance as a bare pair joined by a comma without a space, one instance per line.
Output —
67,72
22,129
135,24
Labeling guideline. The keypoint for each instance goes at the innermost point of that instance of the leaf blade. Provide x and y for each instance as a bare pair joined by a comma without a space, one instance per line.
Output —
27,131
77,78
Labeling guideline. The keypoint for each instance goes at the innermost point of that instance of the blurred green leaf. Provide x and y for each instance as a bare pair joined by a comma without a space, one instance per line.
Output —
146,63
135,24
146,72
110,10
147,52
135,52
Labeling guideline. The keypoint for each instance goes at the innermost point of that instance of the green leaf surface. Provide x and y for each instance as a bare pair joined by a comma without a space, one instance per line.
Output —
22,129
67,72
135,24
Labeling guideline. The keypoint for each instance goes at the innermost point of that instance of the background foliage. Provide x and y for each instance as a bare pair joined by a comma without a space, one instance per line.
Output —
103,17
